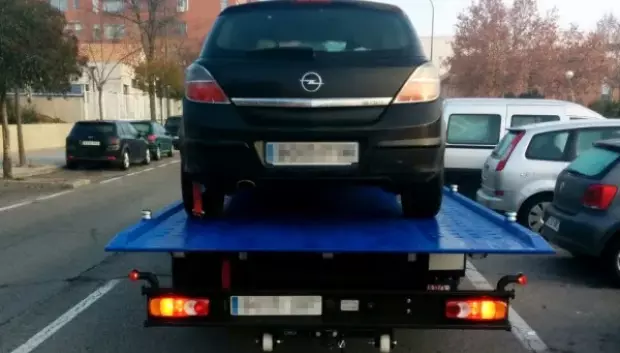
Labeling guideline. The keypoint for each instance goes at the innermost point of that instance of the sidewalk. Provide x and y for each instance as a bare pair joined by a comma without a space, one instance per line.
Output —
50,156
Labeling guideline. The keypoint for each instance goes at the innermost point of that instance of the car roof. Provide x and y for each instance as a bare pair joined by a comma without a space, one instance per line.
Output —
142,121
566,125
572,109
97,122
277,3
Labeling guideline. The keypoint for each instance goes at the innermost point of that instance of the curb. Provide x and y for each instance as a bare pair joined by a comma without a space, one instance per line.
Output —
64,184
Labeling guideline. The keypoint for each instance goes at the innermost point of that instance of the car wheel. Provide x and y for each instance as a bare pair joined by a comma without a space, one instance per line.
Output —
171,152
532,212
212,199
157,154
125,161
422,200
611,260
147,157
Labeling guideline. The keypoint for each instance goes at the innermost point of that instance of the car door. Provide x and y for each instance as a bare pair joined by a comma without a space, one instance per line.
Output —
136,142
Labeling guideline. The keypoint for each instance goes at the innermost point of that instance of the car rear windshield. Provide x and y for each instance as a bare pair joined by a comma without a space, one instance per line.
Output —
594,162
288,31
173,122
142,127
93,129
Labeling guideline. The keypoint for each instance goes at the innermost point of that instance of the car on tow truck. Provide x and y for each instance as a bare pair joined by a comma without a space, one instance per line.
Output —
300,92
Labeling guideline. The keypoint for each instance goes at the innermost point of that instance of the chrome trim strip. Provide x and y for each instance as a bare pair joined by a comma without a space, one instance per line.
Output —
426,141
312,102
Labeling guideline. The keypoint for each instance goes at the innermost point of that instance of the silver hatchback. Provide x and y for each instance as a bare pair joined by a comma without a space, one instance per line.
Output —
519,175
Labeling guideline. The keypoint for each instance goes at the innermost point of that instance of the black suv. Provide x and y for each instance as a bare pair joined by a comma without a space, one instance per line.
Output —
172,126
116,142
308,91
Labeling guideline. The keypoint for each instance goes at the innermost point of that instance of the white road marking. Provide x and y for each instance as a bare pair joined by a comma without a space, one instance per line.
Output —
149,169
175,161
520,329
65,318
47,197
16,205
110,180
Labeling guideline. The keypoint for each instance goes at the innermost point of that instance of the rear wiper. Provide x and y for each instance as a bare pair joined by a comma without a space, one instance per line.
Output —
304,52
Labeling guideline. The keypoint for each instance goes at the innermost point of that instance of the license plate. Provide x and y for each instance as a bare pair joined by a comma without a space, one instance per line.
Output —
276,306
90,143
311,153
553,223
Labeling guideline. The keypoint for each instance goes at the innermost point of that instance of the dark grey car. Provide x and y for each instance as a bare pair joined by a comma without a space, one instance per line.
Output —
584,217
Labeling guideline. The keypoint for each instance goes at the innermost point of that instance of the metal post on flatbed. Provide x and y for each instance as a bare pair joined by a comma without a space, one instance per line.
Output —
147,214
454,188
511,216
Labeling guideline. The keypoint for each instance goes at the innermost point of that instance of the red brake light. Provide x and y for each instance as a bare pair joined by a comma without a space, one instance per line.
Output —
599,196
178,307
513,144
114,141
151,138
201,87
477,309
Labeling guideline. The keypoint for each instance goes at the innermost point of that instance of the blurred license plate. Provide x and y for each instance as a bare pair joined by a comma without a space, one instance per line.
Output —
553,223
90,143
312,153
276,306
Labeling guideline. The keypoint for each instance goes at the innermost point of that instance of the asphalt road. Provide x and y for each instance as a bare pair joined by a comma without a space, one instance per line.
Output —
51,258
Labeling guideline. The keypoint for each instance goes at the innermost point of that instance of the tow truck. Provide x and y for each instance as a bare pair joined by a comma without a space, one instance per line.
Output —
330,265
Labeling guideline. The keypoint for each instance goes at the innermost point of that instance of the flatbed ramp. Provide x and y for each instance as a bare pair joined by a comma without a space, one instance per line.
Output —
343,220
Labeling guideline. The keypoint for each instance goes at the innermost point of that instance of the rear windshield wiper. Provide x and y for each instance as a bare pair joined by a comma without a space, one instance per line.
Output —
303,52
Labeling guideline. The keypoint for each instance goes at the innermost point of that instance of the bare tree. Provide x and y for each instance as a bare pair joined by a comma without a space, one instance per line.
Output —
151,20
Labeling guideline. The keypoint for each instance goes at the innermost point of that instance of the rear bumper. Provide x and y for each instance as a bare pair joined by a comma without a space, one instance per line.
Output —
580,233
108,156
495,203
225,148
375,310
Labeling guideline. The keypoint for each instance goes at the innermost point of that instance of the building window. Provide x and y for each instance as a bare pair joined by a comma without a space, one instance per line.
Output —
95,6
113,5
96,32
179,29
60,4
182,5
75,28
223,4
114,32
76,4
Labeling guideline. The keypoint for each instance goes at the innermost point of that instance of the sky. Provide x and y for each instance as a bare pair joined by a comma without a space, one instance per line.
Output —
584,13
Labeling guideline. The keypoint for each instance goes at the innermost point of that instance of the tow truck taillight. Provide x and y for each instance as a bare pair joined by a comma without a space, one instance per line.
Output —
480,309
178,307
424,85
599,196
513,144
151,138
201,87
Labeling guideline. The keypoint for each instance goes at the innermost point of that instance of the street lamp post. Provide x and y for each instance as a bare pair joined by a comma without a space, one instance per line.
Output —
569,77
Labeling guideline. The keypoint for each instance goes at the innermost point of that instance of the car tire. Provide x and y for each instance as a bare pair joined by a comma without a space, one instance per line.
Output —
531,213
125,160
212,199
611,260
72,165
157,154
171,152
423,200
147,157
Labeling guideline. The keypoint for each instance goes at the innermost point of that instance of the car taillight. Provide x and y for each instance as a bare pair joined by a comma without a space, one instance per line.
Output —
513,144
201,87
174,306
151,138
424,85
599,196
114,141
477,309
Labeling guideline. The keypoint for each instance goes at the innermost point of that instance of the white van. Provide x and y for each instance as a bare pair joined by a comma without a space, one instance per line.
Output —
475,125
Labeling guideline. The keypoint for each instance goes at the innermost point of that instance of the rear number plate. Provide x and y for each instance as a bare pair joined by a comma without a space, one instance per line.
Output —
311,153
553,223
90,143
276,306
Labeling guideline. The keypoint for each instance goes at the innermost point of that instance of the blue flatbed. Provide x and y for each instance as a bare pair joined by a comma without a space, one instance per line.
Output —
344,220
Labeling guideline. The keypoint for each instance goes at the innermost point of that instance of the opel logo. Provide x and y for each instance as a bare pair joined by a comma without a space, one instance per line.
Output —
311,82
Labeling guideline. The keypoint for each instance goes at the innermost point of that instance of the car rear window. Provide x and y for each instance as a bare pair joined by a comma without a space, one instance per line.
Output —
98,129
504,145
594,162
173,122
142,127
286,30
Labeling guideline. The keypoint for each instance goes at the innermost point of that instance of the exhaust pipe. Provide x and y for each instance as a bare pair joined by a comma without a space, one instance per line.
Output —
245,184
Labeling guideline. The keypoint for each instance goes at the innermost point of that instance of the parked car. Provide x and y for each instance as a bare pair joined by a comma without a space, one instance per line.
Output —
160,141
172,125
520,174
475,126
584,217
313,92
110,141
